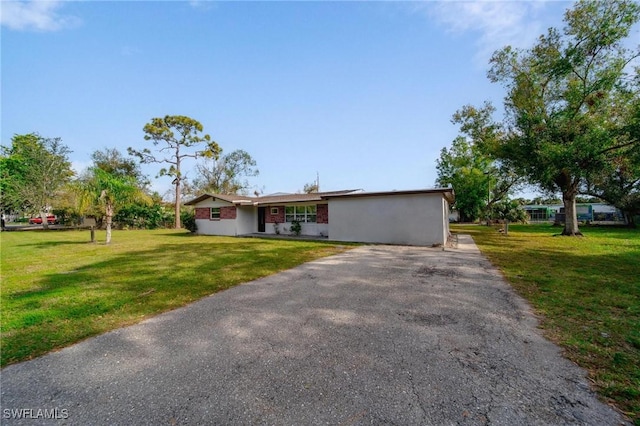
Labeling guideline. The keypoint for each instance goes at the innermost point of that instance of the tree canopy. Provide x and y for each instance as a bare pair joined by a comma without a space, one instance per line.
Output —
178,135
113,185
463,168
478,179
310,188
569,100
114,163
34,170
226,175
618,183
108,192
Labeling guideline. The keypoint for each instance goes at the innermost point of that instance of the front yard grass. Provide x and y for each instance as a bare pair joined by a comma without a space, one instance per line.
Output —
57,288
587,291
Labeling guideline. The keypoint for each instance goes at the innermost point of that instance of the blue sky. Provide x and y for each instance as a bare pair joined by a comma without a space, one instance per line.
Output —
359,92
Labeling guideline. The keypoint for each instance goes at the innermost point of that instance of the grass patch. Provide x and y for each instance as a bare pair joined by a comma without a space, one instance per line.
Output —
57,288
587,291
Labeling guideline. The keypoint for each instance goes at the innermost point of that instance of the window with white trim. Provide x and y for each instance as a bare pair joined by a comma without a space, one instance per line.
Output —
215,213
300,213
274,211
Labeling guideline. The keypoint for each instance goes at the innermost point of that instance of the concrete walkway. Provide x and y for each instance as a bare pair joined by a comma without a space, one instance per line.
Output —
377,335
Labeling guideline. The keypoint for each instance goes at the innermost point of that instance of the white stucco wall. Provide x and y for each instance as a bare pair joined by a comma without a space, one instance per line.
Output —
246,220
445,221
312,229
414,219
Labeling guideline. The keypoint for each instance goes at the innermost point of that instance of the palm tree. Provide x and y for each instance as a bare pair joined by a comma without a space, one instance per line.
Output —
108,192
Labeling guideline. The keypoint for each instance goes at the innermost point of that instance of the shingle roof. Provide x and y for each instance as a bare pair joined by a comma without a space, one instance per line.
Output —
292,198
269,199
448,193
235,199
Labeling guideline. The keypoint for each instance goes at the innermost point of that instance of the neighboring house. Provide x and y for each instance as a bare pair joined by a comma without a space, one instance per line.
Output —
415,217
600,213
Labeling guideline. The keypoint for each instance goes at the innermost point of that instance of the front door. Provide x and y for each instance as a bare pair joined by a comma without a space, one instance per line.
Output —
261,218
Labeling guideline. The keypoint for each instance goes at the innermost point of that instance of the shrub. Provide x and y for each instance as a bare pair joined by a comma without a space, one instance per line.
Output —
296,227
140,216
188,219
67,216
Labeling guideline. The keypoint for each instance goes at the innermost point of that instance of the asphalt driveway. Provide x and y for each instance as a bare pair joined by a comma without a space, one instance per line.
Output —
377,335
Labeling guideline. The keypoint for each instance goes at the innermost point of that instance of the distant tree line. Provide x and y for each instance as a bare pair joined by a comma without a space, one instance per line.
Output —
36,178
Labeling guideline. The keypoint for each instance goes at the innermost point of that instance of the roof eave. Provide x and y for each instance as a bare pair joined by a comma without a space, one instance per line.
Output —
198,200
226,199
446,192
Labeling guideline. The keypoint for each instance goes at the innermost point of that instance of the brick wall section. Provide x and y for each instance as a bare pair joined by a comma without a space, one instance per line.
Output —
202,213
225,212
273,218
322,210
228,212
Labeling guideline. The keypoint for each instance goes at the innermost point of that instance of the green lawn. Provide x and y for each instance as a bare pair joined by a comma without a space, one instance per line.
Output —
57,288
587,291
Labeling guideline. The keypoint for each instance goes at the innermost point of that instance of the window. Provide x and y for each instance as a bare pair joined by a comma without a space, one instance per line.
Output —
311,214
215,213
300,213
274,211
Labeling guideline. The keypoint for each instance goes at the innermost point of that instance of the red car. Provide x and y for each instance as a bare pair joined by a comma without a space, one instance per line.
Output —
38,220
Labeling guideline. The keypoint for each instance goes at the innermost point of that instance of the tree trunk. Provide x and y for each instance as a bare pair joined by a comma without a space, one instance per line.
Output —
177,206
109,214
629,220
570,214
45,222
506,227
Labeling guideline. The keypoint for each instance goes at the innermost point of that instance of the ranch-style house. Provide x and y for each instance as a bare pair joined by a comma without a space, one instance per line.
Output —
412,217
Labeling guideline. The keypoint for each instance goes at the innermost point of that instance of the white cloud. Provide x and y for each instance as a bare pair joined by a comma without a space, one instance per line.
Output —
202,4
497,23
38,15
129,51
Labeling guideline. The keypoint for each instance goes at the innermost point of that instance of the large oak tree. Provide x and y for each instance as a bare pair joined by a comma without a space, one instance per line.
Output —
566,99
